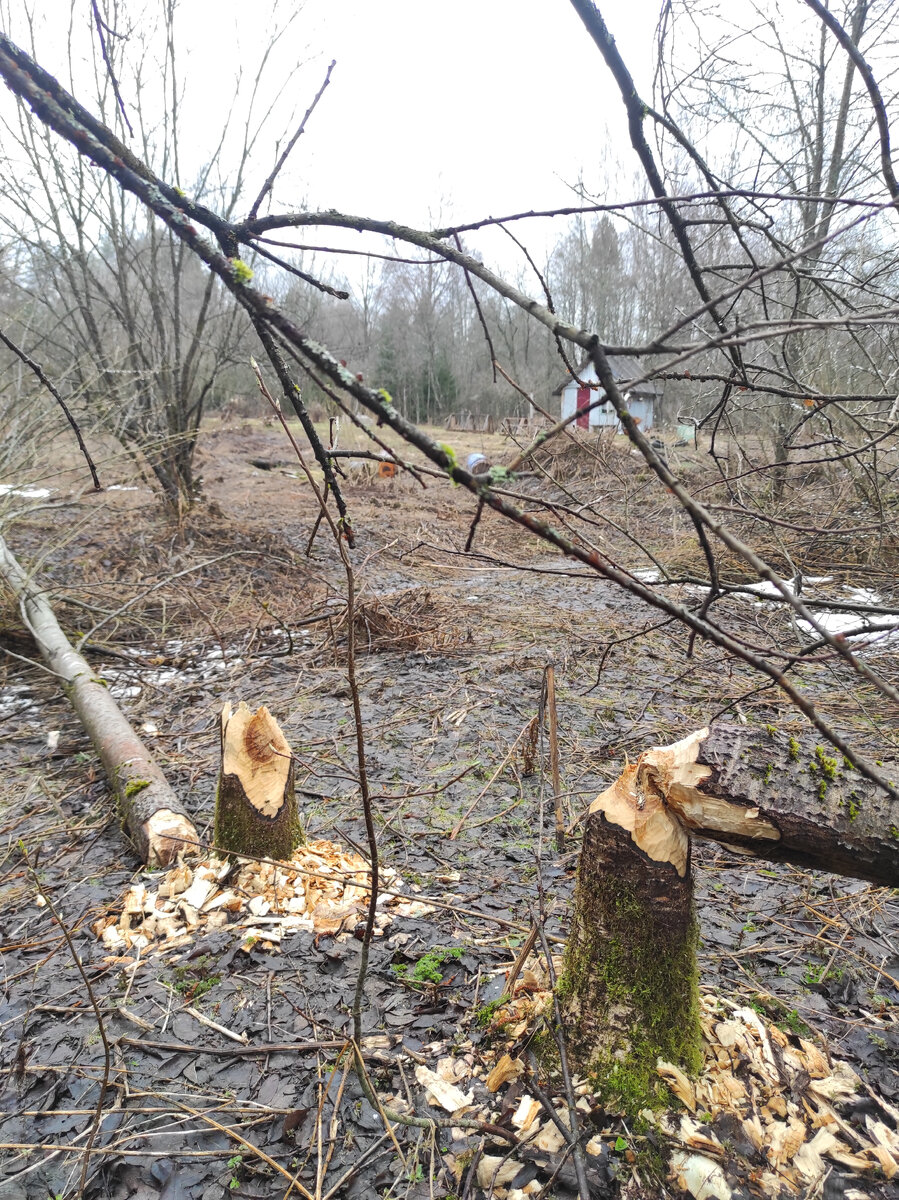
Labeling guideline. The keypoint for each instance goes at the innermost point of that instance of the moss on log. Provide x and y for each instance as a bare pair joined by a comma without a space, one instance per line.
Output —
628,994
786,798
255,806
155,819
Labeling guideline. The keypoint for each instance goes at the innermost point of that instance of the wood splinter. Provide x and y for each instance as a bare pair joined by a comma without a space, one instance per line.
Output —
256,808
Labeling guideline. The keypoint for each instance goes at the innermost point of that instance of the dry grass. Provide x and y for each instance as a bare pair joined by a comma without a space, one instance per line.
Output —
412,619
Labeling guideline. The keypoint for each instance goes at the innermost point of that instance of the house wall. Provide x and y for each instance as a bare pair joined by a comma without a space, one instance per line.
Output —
642,410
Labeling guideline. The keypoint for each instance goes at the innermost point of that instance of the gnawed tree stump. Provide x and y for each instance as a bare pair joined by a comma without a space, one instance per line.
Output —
150,811
628,991
256,806
628,994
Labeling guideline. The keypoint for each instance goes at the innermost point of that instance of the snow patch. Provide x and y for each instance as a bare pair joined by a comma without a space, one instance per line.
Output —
27,493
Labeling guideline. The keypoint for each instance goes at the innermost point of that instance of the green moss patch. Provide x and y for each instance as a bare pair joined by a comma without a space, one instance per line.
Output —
629,995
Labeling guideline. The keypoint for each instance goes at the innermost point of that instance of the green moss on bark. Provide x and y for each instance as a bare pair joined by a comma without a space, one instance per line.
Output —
241,829
628,993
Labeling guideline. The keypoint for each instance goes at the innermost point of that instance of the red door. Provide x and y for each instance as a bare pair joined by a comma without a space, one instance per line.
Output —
583,400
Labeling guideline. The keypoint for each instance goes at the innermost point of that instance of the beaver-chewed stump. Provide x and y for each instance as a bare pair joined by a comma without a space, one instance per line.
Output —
628,991
255,806
628,994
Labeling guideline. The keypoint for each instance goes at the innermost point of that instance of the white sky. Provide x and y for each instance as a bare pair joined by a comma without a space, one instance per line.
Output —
476,106
435,109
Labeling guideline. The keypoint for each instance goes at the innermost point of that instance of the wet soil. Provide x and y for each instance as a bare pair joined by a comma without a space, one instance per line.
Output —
452,652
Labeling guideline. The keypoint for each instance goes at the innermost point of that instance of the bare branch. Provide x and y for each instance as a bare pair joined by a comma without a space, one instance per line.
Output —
282,159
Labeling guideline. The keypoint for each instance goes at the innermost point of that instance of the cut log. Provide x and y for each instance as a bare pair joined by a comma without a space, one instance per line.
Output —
256,806
628,994
155,820
779,797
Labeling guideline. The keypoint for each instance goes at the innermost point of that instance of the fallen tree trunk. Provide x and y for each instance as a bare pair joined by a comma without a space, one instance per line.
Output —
778,797
151,812
627,993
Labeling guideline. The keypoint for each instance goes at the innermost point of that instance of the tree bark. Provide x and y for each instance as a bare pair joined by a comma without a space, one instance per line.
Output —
628,994
256,806
780,797
151,812
628,990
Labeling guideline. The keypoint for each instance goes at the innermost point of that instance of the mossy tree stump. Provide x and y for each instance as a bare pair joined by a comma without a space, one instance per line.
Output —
628,994
255,806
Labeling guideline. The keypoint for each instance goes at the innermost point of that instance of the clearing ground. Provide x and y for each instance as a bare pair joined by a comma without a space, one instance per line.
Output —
229,606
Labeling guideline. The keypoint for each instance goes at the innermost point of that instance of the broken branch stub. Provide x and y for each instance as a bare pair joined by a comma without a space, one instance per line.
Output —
256,807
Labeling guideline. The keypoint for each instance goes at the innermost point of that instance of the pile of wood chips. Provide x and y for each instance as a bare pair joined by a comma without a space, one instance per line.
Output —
770,1111
780,1099
322,889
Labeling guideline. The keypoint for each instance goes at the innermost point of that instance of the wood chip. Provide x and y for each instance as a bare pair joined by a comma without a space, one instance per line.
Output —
447,1095
495,1170
507,1068
679,1083
524,1116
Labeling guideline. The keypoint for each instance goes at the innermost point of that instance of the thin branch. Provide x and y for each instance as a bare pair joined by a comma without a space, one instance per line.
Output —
877,103
39,372
101,26
318,284
478,309
269,183
101,1025
293,395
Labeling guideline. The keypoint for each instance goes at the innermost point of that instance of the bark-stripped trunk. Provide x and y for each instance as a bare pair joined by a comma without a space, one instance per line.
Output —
628,991
151,812
255,806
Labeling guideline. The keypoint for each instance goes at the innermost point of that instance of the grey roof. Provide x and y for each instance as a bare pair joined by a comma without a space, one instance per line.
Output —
623,367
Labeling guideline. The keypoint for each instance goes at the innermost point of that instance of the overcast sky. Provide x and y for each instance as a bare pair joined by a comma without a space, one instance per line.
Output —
435,110
479,106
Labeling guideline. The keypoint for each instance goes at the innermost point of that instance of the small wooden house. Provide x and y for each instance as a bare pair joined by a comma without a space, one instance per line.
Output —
578,394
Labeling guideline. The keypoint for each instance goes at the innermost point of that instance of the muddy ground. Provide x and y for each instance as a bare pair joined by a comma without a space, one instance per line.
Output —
452,652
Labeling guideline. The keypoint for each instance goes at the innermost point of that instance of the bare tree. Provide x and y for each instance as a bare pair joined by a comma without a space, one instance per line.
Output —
120,307
733,337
